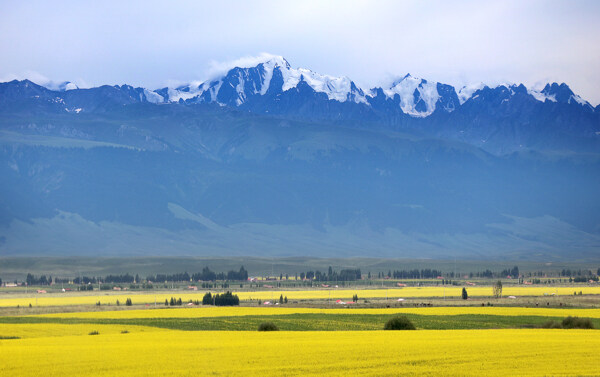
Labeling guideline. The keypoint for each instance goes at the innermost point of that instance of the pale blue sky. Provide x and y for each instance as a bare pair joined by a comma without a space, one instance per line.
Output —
152,43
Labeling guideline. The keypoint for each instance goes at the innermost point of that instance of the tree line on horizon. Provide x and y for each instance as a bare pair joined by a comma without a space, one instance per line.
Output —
331,275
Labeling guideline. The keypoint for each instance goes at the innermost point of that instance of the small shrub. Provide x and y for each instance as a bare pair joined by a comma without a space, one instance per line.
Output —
94,333
551,325
577,323
268,326
399,323
125,332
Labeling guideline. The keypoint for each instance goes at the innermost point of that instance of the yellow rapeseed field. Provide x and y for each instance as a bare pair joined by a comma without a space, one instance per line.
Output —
39,330
60,299
199,312
375,353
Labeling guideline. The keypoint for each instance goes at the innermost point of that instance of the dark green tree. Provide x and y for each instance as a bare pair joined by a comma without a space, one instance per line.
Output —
207,299
226,299
465,295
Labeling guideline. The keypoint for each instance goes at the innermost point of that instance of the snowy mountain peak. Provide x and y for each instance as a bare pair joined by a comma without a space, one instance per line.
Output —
67,85
563,94
272,75
275,61
417,97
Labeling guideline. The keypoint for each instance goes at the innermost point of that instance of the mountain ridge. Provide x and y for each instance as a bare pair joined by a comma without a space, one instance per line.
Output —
416,96
414,170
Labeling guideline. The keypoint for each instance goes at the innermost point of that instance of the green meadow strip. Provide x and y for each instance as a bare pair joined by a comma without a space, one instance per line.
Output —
306,322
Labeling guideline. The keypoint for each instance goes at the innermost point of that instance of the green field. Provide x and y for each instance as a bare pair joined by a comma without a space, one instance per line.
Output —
308,322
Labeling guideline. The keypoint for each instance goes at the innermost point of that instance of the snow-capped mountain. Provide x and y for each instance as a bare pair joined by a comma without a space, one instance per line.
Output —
274,86
233,163
240,86
501,118
269,78
419,97
260,87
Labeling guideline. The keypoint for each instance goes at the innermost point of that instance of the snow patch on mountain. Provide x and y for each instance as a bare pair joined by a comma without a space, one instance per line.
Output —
466,92
540,96
153,97
413,93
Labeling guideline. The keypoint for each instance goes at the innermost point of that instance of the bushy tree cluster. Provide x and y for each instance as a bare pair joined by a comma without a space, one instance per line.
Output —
514,272
242,274
174,302
173,277
42,280
485,274
119,279
207,299
569,323
427,273
399,323
569,272
584,279
332,275
205,275
85,280
224,299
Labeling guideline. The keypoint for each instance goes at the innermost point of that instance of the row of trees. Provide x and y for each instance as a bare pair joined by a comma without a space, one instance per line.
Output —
574,273
332,275
514,272
415,274
42,280
118,279
205,275
224,299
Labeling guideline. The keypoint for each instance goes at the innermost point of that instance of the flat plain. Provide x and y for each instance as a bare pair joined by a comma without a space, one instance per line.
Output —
523,352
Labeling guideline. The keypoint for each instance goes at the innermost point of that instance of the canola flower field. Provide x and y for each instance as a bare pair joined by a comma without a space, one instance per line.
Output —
43,330
105,298
524,352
